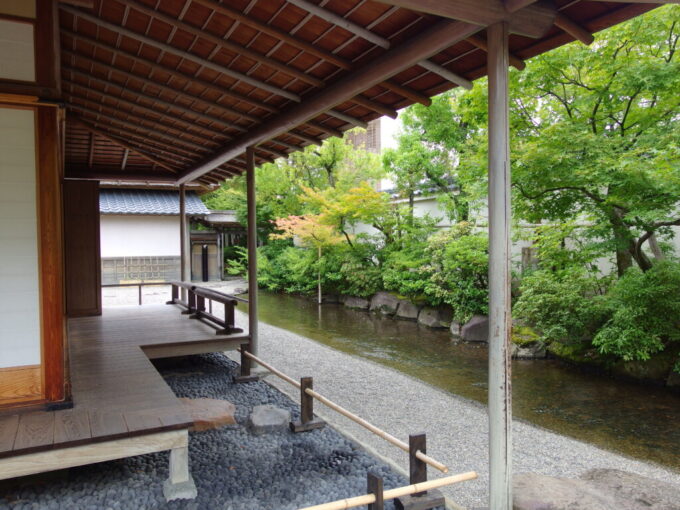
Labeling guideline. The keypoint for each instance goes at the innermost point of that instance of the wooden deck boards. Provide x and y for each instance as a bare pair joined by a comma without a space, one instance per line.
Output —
117,391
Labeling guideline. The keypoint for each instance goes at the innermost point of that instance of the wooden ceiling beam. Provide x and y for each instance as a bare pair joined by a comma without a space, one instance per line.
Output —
375,106
135,137
278,34
430,42
112,69
156,67
200,132
125,158
171,140
358,30
114,174
117,29
90,157
406,92
574,29
305,46
191,123
480,42
224,43
532,21
516,5
347,118
123,144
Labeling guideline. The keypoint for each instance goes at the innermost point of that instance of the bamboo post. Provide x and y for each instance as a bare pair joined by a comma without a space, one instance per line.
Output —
369,499
500,318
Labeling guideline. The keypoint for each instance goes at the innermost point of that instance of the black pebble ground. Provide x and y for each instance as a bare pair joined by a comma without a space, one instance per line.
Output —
233,469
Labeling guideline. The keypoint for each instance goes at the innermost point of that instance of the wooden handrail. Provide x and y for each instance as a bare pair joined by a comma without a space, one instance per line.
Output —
195,306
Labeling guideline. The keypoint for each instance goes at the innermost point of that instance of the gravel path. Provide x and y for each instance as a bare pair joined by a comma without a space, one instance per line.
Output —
457,428
233,469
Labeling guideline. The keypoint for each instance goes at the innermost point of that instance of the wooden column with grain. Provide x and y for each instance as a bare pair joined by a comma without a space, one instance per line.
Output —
252,250
500,319
182,238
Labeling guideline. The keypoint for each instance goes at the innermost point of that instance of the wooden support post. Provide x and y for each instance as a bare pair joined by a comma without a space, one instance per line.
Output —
182,238
174,296
500,319
423,500
140,294
374,486
180,484
307,420
251,229
252,249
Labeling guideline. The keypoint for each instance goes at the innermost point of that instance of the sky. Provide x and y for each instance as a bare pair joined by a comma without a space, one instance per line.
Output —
388,132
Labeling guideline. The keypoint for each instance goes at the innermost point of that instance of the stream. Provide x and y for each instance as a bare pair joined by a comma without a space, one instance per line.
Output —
635,420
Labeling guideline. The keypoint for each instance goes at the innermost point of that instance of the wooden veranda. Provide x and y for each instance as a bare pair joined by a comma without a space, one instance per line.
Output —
190,93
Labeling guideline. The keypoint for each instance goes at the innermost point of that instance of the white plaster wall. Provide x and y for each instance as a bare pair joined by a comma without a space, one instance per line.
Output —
139,236
19,299
17,58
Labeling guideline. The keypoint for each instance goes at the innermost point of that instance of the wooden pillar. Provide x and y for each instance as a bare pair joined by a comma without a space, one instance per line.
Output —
500,319
182,239
252,249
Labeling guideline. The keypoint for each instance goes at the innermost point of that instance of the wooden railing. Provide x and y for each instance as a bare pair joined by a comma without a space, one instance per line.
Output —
139,285
195,306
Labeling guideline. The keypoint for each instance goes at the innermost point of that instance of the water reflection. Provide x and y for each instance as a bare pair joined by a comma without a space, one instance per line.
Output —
635,420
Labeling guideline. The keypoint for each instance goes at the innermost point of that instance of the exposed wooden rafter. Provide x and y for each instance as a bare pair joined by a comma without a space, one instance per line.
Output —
122,143
532,21
573,29
442,35
336,19
184,54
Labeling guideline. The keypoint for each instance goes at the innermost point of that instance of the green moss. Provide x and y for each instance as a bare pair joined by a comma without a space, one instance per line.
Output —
576,352
524,336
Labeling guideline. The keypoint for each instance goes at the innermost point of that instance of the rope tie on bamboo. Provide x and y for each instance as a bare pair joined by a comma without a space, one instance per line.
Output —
356,419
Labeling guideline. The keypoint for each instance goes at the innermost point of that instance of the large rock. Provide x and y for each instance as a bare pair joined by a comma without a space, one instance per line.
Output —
535,350
209,413
407,311
435,317
384,303
476,329
266,419
456,329
673,380
356,303
598,489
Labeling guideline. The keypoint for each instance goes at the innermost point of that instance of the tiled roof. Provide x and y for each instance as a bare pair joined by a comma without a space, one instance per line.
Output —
146,201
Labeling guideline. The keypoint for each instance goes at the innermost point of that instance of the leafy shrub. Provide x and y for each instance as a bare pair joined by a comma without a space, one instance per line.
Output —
404,271
645,311
458,271
563,306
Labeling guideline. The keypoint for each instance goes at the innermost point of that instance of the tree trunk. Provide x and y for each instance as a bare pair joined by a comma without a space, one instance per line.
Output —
625,245
656,250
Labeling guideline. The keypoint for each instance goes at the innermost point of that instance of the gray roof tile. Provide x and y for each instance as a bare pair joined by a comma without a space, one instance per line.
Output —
146,201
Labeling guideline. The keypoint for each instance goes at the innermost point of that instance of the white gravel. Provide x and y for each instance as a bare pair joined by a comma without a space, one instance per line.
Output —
456,428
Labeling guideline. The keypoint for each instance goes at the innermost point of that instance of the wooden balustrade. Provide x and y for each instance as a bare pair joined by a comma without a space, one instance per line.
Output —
195,306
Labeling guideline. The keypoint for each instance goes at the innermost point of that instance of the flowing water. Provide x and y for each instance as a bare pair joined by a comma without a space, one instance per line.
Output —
636,420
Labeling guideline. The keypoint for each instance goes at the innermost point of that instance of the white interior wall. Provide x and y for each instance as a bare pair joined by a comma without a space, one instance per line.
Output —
17,53
139,236
19,300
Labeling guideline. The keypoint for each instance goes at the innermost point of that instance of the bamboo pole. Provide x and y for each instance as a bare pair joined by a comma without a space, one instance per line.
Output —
357,419
399,492
274,371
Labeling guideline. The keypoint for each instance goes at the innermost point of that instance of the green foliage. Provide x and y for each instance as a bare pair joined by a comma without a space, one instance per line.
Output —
458,271
563,306
645,311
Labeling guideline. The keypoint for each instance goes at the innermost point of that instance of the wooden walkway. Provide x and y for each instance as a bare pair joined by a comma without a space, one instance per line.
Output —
117,392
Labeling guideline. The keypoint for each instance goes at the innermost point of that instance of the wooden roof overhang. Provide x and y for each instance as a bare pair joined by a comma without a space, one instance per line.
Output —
176,90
